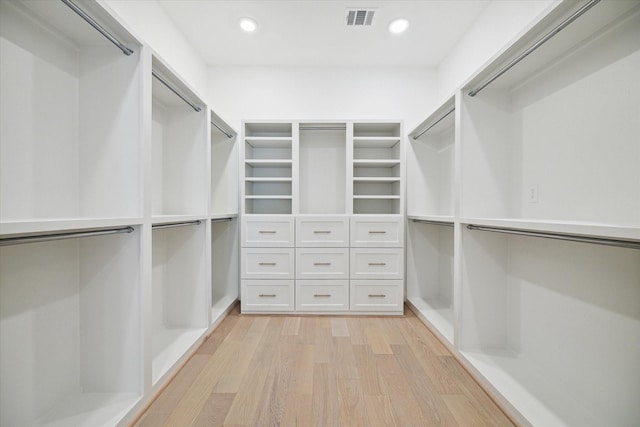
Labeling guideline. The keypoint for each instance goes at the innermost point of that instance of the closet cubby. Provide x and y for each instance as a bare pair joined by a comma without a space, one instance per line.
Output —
70,331
322,168
70,113
430,165
430,271
268,168
377,168
224,169
553,326
225,261
556,137
179,293
179,147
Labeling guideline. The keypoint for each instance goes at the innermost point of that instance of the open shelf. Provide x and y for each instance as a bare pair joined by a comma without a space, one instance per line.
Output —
224,171
373,130
225,277
430,254
265,131
556,138
430,160
539,320
180,310
70,328
70,112
179,148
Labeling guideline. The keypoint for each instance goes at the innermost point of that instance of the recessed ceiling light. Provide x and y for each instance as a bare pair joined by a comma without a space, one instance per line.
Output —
398,26
248,25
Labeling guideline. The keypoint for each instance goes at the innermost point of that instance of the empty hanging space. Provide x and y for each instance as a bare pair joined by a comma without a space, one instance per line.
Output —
224,265
224,169
70,113
545,320
180,307
556,137
323,171
430,274
179,147
268,168
70,328
377,159
430,156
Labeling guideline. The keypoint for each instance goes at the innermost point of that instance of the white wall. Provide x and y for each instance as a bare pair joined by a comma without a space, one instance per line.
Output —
149,22
498,24
238,93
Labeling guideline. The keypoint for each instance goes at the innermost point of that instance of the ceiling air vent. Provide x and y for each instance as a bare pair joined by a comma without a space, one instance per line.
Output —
359,17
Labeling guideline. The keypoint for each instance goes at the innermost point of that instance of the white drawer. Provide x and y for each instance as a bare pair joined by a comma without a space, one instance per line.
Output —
377,232
267,263
261,231
377,295
314,263
322,232
377,263
267,295
322,295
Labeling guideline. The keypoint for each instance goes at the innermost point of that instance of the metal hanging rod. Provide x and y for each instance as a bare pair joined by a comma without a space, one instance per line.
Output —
426,221
221,130
535,46
98,27
221,219
7,241
323,128
441,118
176,224
559,236
176,91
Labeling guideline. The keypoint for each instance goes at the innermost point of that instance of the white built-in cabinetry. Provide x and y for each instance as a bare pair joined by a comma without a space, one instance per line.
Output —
536,287
118,218
323,227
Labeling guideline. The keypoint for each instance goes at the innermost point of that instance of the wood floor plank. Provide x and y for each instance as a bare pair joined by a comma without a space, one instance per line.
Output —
223,330
291,326
376,338
351,403
325,397
378,411
356,330
404,406
367,370
343,359
298,410
323,341
215,410
339,327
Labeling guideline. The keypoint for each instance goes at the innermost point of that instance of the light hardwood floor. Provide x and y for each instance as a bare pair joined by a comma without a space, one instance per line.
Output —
322,371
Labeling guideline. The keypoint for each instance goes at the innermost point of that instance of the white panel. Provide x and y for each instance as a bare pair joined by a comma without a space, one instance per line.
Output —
322,232
267,263
322,295
377,231
377,295
267,295
323,263
377,263
264,231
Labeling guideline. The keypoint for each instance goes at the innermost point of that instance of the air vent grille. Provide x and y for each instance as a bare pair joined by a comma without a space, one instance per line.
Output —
359,17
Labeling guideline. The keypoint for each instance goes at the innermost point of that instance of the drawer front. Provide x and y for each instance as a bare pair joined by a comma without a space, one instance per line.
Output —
267,263
322,232
377,295
322,263
267,232
377,232
267,295
322,295
377,263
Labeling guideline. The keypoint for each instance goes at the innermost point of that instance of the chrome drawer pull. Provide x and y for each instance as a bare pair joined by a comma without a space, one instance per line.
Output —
377,232
378,263
377,296
321,232
267,295
266,263
321,295
321,263
267,232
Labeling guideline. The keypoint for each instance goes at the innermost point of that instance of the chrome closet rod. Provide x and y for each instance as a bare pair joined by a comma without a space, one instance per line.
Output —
176,91
222,130
61,236
176,224
559,236
535,46
426,221
441,118
323,128
98,27
222,219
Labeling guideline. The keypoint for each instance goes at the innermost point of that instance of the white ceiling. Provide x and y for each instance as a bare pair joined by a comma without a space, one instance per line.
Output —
314,32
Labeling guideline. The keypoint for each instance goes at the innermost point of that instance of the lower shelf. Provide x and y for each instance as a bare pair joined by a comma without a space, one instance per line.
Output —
90,409
438,313
169,345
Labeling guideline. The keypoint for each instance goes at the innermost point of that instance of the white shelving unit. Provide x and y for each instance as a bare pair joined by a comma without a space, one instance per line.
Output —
225,261
70,324
179,293
541,271
179,148
70,116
